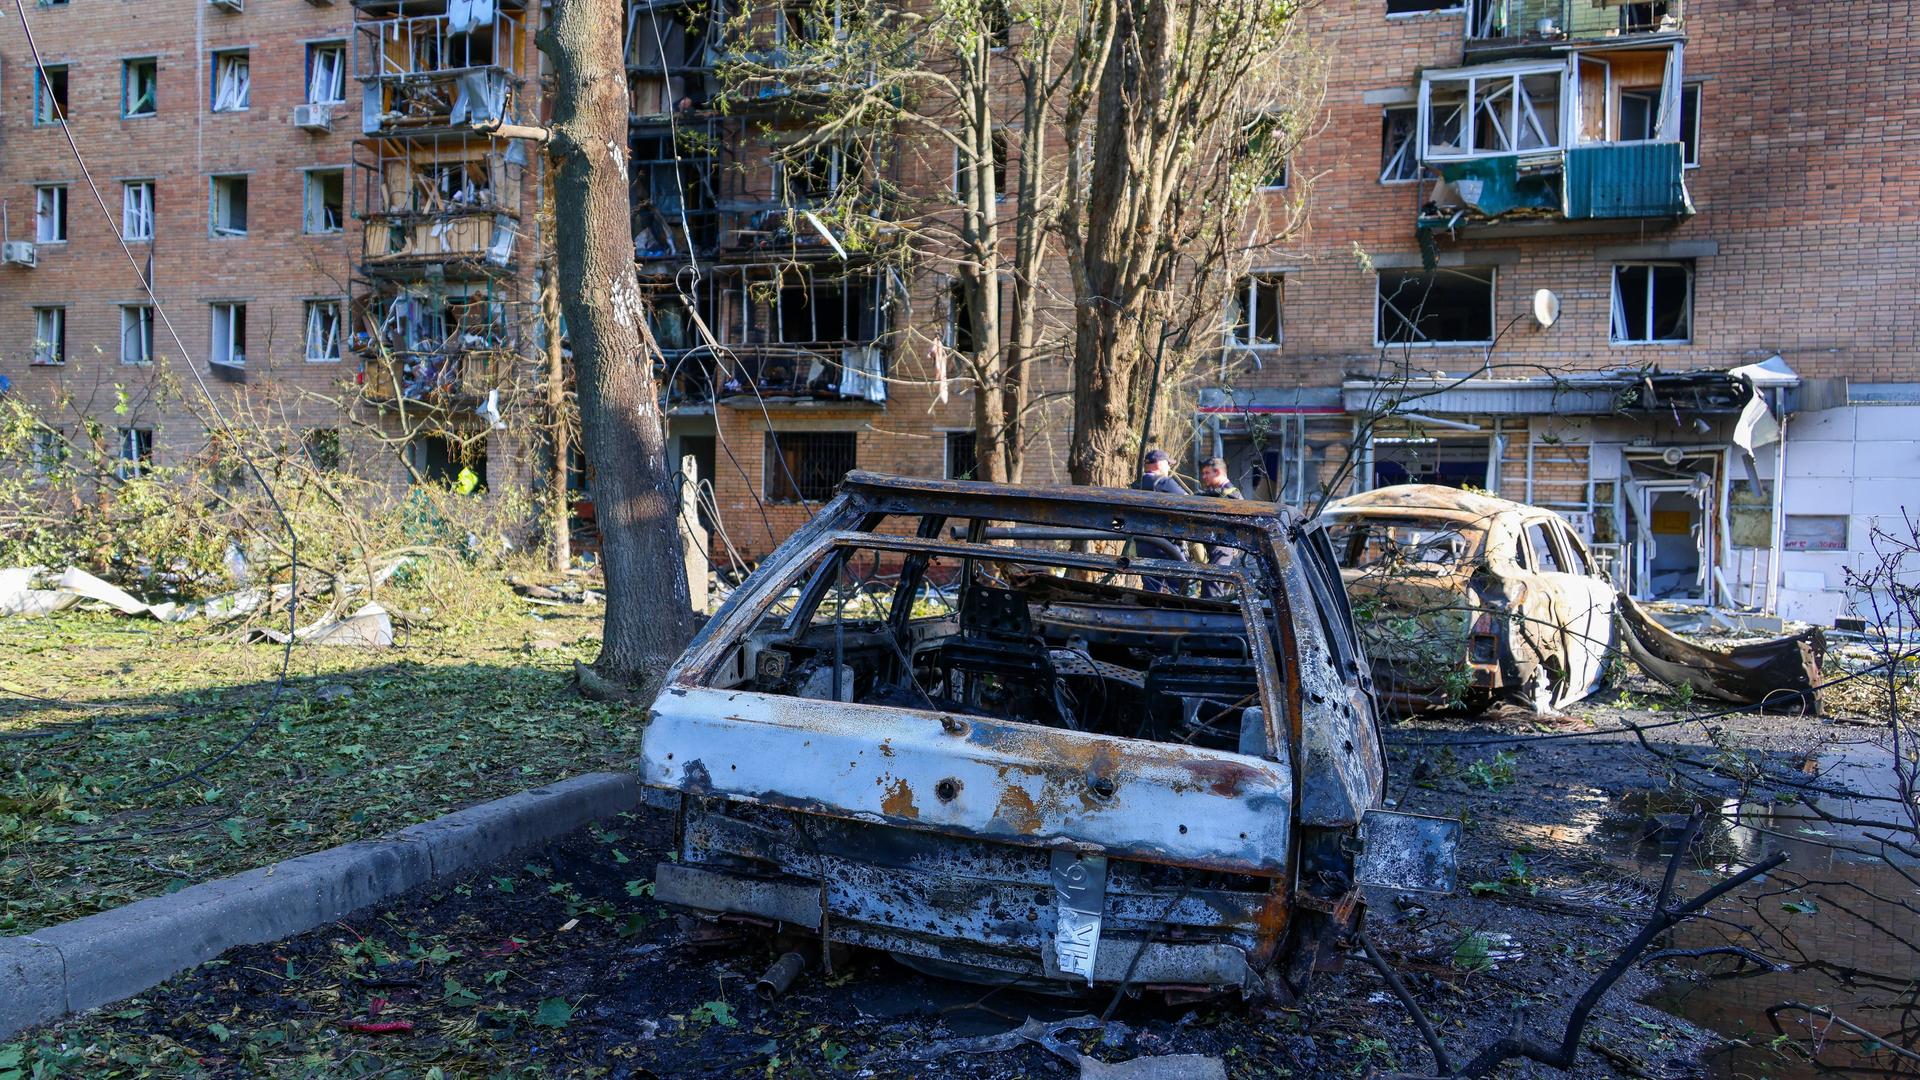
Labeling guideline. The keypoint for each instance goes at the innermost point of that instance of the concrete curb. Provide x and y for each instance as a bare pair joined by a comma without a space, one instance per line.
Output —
116,954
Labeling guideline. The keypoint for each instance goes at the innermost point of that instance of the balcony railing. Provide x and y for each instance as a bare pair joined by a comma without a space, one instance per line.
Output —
426,72
477,236
1513,23
456,376
1588,187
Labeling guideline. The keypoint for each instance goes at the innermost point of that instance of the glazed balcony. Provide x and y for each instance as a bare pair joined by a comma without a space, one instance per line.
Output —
1498,25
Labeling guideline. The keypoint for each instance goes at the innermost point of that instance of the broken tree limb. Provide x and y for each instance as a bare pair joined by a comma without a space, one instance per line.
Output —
1517,1044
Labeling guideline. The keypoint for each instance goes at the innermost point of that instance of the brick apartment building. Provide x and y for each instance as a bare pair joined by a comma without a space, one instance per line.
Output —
1519,212
289,177
1692,186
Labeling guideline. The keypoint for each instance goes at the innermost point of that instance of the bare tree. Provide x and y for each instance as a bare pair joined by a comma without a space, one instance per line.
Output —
1186,107
974,82
623,431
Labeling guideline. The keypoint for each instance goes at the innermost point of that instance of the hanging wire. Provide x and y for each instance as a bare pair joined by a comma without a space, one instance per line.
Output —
213,405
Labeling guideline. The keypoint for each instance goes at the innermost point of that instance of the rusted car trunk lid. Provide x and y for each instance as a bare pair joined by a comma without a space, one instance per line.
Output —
975,777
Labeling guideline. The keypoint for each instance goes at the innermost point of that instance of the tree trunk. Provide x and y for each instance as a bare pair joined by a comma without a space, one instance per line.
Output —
559,424
649,616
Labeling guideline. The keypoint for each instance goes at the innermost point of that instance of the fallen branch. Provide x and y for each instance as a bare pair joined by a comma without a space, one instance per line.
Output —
1517,1044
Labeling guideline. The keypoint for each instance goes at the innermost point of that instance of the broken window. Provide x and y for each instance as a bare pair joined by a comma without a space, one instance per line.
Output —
50,95
1399,154
48,452
1640,114
49,335
136,334
1446,306
999,19
135,452
1501,112
229,344
1255,307
807,465
136,210
963,456
50,214
232,81
1542,556
963,176
326,73
1690,124
440,459
1263,142
324,196
1652,303
960,318
818,174
323,330
1006,633
826,310
672,196
229,206
139,87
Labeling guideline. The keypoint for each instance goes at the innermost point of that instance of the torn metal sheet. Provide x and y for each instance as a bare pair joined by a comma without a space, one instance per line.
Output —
1782,671
1408,852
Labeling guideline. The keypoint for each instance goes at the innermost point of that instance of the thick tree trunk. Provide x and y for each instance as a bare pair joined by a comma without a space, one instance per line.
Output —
648,616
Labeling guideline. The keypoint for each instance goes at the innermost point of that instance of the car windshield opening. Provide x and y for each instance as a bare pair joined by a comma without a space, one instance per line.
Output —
1119,644
1415,545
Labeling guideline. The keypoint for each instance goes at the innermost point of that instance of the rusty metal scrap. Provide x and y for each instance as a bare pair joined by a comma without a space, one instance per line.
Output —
1783,671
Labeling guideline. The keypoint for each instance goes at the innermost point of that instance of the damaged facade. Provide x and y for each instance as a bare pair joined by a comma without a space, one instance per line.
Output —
1720,391
321,182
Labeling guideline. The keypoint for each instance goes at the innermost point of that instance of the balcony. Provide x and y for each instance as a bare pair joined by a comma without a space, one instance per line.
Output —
441,351
1518,25
447,201
426,73
819,371
1595,141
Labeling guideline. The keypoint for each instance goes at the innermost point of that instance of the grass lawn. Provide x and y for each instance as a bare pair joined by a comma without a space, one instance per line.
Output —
96,707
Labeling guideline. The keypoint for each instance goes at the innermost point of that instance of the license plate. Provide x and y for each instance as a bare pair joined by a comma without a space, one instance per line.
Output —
1079,898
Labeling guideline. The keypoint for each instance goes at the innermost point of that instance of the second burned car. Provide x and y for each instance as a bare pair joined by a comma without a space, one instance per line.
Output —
943,721
1464,598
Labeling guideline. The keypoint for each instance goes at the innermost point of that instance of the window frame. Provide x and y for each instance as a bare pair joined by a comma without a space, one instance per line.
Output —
776,489
127,220
964,436
1246,309
58,194
56,356
1410,149
138,463
308,186
313,51
214,228
1380,300
233,313
1617,313
1690,150
310,308
1455,6
127,68
62,109
130,319
1514,73
246,94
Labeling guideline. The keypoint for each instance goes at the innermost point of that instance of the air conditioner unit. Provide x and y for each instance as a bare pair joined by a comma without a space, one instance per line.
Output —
229,5
19,253
316,118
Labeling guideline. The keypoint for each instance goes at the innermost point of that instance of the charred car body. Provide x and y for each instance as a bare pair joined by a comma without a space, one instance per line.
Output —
929,725
1465,598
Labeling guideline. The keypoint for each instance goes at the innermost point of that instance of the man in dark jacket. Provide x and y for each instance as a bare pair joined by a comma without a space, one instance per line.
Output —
1214,483
1157,475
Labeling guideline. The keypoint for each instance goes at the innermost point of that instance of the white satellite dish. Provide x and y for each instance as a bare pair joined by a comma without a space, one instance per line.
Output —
1546,308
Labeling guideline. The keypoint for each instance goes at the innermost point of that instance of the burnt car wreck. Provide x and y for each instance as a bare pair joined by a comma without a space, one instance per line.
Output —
944,721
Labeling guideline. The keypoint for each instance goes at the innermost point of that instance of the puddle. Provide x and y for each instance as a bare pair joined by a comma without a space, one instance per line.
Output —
1853,934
